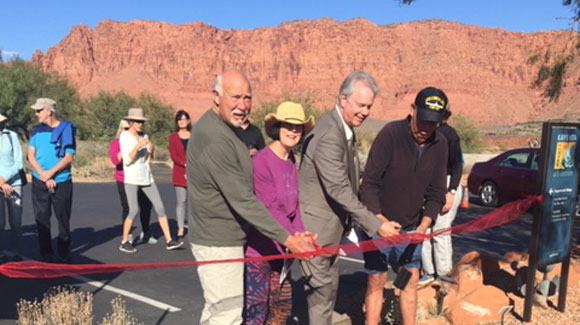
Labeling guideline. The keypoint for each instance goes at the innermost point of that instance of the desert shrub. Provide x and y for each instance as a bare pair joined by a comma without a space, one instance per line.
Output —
60,305
92,160
120,315
65,305
469,133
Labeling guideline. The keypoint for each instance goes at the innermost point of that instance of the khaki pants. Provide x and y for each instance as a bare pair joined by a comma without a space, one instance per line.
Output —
222,284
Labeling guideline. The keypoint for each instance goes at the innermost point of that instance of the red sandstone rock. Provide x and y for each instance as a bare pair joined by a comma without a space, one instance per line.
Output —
484,71
426,296
481,306
468,279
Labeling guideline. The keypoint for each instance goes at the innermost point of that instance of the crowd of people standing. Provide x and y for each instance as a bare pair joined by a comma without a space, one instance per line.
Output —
243,198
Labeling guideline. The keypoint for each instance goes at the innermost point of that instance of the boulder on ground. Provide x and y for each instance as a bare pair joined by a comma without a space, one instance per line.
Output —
485,304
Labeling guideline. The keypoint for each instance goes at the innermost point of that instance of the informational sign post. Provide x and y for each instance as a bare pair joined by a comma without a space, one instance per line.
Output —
553,220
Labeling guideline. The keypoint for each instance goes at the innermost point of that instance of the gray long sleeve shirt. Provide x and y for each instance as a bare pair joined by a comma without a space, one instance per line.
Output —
220,188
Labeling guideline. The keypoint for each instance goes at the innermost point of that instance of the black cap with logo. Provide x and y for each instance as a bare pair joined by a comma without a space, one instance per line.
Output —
431,104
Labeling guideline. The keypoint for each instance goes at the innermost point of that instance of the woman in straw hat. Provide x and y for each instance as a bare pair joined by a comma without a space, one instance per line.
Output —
144,203
136,151
268,289
10,189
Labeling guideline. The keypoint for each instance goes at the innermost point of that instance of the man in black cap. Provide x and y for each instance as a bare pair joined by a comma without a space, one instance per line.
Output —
405,181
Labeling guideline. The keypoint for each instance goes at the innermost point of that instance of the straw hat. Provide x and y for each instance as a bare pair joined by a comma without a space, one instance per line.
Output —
2,118
289,112
135,114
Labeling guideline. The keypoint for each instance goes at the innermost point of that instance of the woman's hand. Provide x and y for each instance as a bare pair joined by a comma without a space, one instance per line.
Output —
143,142
7,189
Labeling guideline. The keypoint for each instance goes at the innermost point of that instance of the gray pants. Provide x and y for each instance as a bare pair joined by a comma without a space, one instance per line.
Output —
321,287
14,207
152,194
181,194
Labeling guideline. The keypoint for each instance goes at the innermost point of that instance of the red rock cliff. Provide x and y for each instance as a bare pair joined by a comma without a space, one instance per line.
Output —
484,71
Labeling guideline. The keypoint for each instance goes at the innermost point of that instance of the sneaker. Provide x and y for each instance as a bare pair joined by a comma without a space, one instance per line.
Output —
445,278
152,240
131,239
127,247
146,238
172,244
425,280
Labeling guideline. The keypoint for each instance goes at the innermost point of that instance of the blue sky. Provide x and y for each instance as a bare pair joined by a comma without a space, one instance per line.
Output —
29,25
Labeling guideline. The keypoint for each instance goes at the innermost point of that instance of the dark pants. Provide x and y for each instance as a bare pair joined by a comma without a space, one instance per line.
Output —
144,206
61,202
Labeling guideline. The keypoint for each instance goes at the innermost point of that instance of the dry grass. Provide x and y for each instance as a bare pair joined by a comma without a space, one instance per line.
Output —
120,315
68,306
60,305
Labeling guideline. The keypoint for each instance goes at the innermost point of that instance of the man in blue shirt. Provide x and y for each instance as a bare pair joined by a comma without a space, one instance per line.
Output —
50,153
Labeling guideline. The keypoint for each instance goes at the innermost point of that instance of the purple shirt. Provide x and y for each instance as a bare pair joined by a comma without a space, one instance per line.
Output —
276,186
114,149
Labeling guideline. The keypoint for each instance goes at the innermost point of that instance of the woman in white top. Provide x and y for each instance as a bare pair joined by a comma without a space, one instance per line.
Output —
136,151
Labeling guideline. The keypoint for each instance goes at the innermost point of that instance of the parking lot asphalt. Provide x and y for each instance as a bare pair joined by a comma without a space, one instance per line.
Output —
174,296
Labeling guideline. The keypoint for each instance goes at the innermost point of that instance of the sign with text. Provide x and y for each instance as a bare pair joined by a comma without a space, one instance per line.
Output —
559,190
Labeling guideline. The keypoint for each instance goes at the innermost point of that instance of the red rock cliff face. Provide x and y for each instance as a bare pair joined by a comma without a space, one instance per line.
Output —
484,71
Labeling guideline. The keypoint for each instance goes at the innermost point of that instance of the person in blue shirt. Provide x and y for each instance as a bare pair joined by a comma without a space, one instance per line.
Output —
10,190
50,153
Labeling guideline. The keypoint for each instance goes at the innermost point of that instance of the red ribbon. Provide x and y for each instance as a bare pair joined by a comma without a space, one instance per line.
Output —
498,217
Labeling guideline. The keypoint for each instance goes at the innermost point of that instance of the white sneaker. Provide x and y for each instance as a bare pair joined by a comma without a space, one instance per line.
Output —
147,239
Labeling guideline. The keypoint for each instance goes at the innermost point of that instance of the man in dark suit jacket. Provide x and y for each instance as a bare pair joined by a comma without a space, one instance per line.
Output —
329,178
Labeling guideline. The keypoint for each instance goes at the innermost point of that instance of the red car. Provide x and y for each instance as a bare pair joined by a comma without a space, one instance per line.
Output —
509,176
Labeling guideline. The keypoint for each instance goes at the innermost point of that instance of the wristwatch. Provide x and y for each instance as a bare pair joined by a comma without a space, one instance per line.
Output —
452,191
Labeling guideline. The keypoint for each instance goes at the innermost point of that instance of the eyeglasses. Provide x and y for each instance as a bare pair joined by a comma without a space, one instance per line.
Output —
125,129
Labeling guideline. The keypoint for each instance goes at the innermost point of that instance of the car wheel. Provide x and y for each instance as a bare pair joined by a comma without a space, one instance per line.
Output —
488,194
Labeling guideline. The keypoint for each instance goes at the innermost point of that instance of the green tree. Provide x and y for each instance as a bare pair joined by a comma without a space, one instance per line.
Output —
105,110
21,83
161,119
